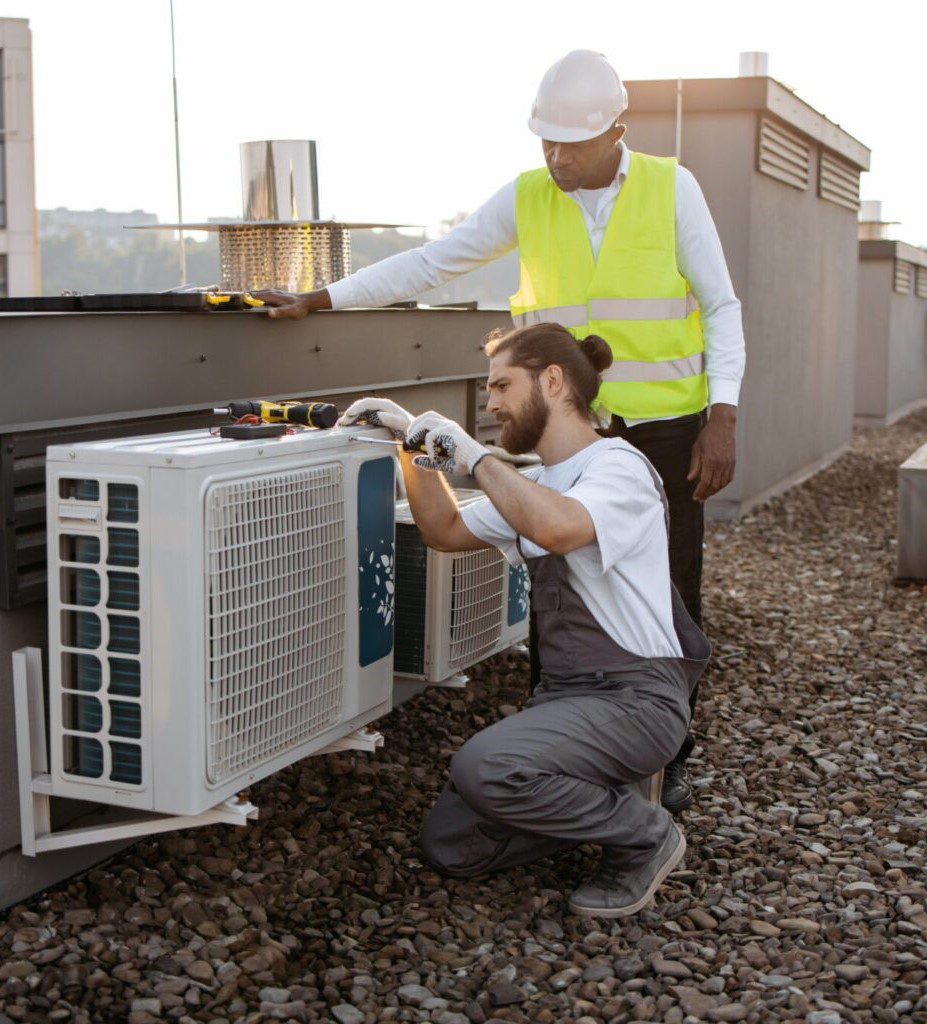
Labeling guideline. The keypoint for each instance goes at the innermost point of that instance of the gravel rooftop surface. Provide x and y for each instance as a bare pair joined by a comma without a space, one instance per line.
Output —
802,896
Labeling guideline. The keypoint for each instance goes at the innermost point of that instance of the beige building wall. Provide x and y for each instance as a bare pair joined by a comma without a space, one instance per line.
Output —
891,355
18,234
792,257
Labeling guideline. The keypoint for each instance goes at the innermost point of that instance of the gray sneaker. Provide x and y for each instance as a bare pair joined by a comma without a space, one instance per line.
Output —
617,891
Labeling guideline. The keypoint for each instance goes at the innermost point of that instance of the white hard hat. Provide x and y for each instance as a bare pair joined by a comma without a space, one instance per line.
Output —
580,97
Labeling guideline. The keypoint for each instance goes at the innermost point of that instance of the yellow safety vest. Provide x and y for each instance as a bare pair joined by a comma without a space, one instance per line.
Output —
633,296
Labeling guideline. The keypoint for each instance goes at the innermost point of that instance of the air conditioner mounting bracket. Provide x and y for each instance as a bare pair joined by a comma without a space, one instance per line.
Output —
35,789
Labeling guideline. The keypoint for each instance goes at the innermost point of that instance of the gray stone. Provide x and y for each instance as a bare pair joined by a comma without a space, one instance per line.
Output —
413,995
562,979
504,993
152,1006
728,1012
274,995
347,1014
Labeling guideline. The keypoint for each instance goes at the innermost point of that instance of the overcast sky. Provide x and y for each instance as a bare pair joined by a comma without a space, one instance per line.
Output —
419,109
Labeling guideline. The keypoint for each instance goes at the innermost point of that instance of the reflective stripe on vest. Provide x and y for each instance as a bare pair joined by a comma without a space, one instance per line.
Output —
610,309
633,295
672,369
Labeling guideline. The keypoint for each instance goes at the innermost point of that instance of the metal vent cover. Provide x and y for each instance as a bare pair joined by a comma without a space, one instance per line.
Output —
904,277
294,257
838,182
275,579
477,582
920,287
411,600
783,154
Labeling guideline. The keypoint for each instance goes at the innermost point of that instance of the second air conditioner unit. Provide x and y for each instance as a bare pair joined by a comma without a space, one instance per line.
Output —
217,610
453,609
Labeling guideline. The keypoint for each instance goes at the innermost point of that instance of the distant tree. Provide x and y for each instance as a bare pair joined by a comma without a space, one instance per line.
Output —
145,262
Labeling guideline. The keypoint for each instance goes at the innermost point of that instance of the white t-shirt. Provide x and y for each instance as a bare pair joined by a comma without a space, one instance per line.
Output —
622,578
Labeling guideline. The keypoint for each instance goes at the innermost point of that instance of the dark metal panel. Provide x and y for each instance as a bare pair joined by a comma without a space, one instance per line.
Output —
83,367
23,497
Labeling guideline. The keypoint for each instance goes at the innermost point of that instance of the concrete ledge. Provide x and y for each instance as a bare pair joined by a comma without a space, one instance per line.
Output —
864,422
725,509
912,517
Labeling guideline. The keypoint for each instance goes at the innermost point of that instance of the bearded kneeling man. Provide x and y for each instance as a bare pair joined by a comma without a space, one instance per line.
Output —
619,654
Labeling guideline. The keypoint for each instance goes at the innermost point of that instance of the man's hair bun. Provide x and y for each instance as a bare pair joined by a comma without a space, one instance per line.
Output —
597,351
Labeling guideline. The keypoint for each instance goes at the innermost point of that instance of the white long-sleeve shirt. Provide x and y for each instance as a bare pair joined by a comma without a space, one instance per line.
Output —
490,232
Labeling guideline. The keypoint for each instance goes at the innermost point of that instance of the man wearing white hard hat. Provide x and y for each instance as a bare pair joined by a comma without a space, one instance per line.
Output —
618,244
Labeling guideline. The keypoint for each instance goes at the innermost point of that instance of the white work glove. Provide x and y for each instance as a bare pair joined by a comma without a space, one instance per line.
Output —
448,447
377,412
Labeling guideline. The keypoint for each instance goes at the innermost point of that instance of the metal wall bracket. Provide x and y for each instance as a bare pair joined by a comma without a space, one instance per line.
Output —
35,783
363,739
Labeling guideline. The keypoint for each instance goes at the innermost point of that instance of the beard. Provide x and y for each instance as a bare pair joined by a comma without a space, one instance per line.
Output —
522,431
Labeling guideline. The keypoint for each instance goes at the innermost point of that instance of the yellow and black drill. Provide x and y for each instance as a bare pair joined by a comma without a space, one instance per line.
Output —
306,414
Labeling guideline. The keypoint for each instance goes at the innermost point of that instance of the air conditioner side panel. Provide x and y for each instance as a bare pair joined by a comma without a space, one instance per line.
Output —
370,557
438,616
517,597
177,651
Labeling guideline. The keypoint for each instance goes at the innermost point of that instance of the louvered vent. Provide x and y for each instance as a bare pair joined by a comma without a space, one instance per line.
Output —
921,283
486,427
904,277
411,580
783,155
101,639
476,605
275,582
838,182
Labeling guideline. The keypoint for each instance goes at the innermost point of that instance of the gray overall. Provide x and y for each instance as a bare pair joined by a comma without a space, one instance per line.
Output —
567,769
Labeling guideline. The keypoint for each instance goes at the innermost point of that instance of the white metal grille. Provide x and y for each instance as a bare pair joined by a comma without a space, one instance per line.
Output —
476,605
101,670
275,612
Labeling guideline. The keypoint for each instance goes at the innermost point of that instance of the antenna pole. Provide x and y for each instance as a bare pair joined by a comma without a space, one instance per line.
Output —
183,250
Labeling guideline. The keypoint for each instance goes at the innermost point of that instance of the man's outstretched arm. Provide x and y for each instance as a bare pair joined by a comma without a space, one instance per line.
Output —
489,232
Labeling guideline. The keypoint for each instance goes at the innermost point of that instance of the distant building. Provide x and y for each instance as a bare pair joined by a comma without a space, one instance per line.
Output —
891,347
19,257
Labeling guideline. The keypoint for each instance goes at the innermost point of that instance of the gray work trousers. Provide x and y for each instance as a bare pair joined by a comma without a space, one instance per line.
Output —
563,771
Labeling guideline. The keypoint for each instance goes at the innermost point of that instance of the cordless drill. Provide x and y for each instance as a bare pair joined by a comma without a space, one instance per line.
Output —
306,414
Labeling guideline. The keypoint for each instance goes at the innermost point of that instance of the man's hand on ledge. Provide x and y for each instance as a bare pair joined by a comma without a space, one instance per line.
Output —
713,457
287,306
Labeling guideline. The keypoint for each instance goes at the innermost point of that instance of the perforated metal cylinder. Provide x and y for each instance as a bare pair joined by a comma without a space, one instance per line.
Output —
294,257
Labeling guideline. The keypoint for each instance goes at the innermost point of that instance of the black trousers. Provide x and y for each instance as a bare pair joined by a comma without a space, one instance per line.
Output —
668,446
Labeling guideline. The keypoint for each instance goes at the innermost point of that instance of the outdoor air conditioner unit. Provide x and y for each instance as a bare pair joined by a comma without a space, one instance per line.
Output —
453,609
217,610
